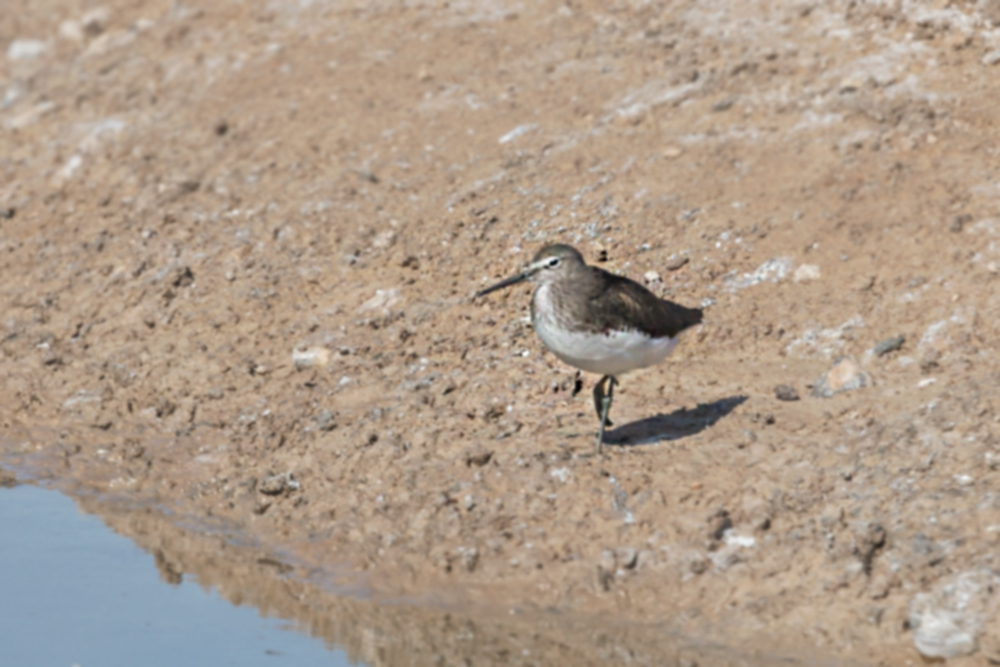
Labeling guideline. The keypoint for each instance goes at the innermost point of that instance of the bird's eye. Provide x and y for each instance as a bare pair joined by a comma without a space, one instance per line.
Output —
554,262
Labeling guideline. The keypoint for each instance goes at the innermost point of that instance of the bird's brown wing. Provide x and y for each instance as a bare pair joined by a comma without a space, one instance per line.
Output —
622,302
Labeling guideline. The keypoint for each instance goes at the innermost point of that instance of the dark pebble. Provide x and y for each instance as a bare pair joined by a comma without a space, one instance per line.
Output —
959,221
675,263
478,458
889,345
786,392
724,105
274,485
7,479
719,523
326,420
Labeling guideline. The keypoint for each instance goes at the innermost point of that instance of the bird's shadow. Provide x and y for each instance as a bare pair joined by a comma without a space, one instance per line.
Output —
678,424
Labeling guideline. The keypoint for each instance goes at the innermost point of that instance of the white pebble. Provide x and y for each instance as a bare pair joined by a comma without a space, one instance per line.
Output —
26,49
71,30
948,621
311,357
806,273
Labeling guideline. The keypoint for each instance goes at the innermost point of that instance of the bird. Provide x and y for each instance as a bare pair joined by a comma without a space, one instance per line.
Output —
597,321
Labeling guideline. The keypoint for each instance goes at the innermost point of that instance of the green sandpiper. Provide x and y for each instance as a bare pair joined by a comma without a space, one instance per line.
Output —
597,321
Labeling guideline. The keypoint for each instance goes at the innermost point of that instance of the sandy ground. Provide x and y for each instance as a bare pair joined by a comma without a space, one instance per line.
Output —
239,243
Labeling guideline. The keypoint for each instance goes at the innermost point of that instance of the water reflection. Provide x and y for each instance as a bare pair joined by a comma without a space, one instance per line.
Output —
373,633
74,593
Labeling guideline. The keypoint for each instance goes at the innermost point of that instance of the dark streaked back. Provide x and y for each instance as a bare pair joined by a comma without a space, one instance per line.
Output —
617,303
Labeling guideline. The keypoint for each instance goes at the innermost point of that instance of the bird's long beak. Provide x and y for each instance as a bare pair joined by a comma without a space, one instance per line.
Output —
513,280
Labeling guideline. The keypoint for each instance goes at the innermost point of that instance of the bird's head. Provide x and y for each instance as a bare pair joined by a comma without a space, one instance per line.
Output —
549,264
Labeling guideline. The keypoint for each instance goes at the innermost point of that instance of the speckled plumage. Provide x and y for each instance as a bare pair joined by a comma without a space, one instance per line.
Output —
589,299
597,321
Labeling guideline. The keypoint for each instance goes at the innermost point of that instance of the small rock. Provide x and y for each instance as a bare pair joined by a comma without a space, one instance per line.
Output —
183,276
749,437
478,458
52,358
948,622
561,474
851,84
7,479
470,558
864,283
384,239
109,41
867,544
383,300
164,407
882,584
672,152
627,557
773,270
26,49
71,30
786,392
724,105
698,564
652,277
605,571
132,449
743,541
274,485
992,58
844,375
443,500
311,357
719,523
326,420
675,262
96,21
930,362
958,222
806,273
888,345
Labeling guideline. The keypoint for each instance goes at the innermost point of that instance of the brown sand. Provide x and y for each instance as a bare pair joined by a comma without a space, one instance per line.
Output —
192,194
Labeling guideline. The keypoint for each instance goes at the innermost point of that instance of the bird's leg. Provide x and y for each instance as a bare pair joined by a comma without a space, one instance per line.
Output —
605,408
599,397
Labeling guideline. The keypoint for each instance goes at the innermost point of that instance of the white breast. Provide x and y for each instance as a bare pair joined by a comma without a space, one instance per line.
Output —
615,353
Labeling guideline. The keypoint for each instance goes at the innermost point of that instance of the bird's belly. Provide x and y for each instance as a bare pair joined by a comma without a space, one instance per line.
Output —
614,353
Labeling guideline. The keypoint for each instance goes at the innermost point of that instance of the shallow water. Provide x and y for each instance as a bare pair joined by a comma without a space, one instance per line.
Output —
98,580
75,593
